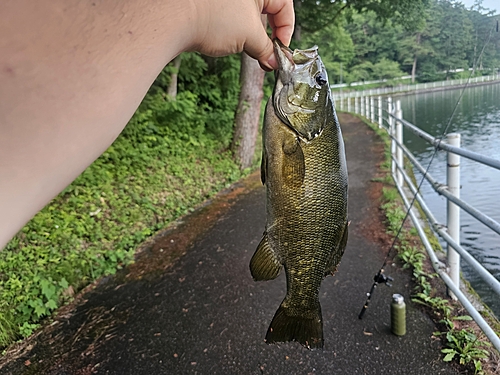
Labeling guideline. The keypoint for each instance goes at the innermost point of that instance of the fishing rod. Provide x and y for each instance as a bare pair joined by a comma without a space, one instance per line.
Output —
380,277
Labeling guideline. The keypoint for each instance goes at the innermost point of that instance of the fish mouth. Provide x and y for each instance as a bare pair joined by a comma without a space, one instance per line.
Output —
288,59
283,54
294,72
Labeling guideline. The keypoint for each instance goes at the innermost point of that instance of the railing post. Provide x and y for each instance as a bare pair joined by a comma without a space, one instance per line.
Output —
380,124
348,104
362,100
356,105
392,133
399,138
367,106
372,109
453,211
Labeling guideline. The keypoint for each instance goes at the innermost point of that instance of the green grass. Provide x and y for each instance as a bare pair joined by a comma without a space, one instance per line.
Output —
94,226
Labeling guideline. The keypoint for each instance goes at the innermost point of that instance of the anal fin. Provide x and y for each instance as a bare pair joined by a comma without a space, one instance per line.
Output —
264,264
336,256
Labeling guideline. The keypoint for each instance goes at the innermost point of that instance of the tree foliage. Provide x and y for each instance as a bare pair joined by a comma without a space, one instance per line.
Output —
370,39
314,15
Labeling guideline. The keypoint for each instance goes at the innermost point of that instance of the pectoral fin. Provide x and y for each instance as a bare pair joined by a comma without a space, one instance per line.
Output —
293,166
265,264
263,166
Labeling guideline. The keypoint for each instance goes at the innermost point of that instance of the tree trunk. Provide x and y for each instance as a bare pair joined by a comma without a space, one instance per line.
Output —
414,69
297,31
172,87
248,111
414,66
474,57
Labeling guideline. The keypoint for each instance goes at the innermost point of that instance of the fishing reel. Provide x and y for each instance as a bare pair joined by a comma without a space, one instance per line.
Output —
380,278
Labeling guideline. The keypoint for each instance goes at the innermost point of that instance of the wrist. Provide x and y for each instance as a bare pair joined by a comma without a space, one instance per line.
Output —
182,24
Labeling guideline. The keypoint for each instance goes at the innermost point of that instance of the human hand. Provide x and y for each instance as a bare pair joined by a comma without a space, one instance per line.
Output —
230,26
73,73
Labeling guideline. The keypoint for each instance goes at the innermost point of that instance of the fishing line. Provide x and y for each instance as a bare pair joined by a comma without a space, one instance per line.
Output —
380,277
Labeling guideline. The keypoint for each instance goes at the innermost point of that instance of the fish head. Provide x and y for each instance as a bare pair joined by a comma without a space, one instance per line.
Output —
301,93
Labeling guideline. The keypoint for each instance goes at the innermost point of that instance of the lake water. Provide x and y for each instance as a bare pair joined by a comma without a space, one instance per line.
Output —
477,119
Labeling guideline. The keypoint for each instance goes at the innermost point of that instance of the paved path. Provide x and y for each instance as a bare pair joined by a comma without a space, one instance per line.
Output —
205,314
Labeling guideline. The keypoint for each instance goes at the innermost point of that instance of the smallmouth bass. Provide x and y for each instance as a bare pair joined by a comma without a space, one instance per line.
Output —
305,173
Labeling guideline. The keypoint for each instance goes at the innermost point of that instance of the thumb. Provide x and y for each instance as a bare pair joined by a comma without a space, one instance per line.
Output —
259,46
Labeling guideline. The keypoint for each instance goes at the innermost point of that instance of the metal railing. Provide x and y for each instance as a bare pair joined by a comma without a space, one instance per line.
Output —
388,115
341,96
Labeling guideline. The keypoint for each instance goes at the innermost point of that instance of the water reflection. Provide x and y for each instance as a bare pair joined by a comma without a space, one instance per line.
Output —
477,118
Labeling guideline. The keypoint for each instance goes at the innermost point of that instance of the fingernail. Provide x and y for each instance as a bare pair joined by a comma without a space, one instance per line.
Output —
264,67
267,65
272,62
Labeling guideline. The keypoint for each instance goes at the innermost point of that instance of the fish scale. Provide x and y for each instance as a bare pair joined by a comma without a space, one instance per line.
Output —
305,174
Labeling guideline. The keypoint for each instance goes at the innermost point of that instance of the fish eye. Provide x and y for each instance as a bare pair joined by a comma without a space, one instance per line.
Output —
320,80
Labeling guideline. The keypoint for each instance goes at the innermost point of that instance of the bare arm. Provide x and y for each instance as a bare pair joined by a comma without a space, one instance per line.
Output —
73,72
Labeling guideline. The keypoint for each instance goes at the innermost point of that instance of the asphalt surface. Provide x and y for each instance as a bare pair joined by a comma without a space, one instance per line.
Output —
204,314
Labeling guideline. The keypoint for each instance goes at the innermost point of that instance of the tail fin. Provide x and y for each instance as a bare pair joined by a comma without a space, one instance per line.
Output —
305,330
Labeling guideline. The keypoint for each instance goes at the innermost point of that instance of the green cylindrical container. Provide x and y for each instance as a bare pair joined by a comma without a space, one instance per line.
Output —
398,315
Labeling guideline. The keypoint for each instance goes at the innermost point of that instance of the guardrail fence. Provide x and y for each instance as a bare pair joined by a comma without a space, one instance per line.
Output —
388,115
341,97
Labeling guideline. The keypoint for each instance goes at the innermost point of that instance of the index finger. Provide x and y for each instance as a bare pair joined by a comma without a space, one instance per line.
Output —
281,18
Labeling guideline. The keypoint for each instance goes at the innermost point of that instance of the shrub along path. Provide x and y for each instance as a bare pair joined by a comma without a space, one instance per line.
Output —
190,306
